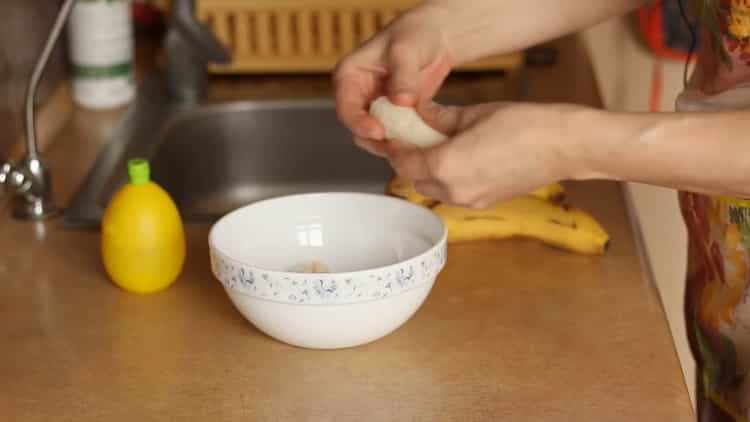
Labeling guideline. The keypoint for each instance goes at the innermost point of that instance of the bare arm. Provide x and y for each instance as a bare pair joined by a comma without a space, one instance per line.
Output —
699,152
501,150
535,144
478,28
409,59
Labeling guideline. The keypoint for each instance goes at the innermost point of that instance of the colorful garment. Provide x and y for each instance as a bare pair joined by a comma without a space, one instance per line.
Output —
717,306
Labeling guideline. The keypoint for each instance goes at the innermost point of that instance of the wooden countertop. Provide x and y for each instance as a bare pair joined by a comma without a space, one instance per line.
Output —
511,331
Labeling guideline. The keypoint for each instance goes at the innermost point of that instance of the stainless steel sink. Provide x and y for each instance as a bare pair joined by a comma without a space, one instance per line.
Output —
213,158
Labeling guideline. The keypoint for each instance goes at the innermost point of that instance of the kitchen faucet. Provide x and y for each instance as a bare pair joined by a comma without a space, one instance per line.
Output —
190,46
28,181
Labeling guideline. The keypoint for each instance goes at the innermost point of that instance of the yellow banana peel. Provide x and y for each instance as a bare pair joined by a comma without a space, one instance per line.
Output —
527,216
405,189
539,215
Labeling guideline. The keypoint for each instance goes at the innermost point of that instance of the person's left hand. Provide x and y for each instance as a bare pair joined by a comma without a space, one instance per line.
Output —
496,151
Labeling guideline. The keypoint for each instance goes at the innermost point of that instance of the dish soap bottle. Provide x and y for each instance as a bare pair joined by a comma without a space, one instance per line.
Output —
143,239
101,46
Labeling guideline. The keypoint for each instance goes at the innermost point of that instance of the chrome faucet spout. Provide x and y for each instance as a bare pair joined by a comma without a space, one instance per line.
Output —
29,181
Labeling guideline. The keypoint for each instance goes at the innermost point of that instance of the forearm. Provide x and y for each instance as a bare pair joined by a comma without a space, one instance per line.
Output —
699,152
479,28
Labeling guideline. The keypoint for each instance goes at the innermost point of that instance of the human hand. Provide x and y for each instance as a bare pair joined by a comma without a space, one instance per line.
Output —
496,151
407,61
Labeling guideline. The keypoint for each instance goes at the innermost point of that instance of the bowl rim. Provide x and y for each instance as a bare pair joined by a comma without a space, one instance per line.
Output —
281,273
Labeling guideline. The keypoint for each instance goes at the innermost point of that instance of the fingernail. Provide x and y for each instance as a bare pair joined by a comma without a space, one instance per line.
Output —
404,98
376,134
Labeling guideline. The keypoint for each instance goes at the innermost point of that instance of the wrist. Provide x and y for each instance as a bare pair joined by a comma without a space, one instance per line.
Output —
432,18
582,150
456,28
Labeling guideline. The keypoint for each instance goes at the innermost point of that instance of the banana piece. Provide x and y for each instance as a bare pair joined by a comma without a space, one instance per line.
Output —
404,124
315,267
403,188
527,216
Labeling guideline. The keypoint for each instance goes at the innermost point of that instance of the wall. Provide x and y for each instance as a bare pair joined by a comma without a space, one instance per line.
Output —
24,27
624,70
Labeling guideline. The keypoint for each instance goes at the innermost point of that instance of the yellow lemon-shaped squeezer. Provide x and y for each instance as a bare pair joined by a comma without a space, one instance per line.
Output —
143,239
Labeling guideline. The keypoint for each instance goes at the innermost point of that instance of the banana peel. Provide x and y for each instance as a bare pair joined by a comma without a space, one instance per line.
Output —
541,215
526,216
554,192
403,188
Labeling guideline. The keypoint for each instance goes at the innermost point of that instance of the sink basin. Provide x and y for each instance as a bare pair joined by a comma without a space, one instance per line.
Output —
214,158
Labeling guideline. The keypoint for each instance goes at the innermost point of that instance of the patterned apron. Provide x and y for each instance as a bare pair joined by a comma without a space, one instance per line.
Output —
717,307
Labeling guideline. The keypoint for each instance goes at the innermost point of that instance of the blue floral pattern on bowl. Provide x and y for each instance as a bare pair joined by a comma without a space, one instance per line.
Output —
327,289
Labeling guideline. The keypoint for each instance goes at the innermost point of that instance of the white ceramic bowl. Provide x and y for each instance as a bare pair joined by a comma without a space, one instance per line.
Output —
383,255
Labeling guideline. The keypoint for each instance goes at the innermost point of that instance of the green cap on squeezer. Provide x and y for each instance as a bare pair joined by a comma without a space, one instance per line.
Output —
138,171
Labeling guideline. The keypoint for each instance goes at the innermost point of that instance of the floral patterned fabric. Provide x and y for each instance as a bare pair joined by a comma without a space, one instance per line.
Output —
717,306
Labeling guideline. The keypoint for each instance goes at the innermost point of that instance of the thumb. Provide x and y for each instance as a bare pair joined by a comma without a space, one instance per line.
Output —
451,120
443,118
412,57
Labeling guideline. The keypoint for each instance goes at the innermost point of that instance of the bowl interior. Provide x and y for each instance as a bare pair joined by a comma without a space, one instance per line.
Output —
343,231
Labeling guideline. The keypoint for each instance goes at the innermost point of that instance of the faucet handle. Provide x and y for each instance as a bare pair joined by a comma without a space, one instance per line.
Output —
13,180
29,182
199,36
205,42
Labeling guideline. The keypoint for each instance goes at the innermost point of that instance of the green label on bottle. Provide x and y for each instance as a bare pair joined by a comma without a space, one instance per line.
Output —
112,71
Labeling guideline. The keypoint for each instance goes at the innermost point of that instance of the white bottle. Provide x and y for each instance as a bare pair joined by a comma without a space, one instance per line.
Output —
100,36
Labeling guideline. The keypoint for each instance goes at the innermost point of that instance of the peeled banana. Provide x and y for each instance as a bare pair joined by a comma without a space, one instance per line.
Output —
526,216
402,188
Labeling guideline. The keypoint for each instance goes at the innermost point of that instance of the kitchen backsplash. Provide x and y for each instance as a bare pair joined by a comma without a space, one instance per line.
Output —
24,27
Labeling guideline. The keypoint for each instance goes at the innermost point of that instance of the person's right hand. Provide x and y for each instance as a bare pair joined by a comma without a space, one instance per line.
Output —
407,61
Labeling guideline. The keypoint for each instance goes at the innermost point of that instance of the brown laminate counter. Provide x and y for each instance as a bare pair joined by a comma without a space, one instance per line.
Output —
511,331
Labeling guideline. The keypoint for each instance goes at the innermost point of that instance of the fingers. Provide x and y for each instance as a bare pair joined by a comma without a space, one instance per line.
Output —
470,116
357,79
383,149
377,148
407,64
433,75
404,66
432,190
441,174
442,118
408,67
414,167
417,65
411,164
451,120
353,93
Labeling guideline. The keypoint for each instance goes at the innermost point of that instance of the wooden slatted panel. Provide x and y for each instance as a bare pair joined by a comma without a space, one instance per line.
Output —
284,34
262,33
325,32
220,24
242,35
304,35
347,36
368,22
305,31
